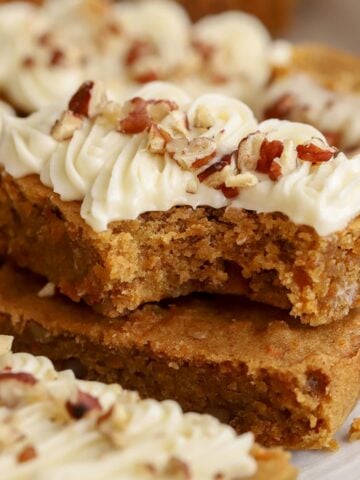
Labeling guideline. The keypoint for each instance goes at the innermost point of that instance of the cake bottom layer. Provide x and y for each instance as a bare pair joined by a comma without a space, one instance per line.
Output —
248,364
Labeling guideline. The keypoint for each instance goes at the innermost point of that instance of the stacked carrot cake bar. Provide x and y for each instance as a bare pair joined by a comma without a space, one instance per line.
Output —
141,219
54,426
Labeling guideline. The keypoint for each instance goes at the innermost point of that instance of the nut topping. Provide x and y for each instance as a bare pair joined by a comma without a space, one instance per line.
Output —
21,377
269,151
215,168
158,139
140,114
137,119
249,151
242,180
315,154
84,404
27,454
89,100
138,50
281,108
192,154
65,127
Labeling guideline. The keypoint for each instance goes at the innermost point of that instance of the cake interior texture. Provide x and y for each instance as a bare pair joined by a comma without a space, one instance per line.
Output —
252,366
265,257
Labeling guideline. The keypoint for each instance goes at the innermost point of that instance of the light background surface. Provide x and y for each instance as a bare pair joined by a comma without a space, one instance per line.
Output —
335,22
344,464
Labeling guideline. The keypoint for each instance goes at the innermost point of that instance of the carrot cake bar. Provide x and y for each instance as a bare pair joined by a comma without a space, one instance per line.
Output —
54,426
51,49
250,365
120,205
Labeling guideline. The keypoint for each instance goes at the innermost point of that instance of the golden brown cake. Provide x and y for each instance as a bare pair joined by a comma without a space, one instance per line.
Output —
250,365
56,426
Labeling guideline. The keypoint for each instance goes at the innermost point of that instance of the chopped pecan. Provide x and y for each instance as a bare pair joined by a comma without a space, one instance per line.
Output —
138,118
281,108
158,138
140,114
229,192
89,100
269,151
57,57
249,151
315,154
138,50
205,50
145,77
159,109
215,167
65,127
242,180
45,39
22,377
28,453
28,62
84,404
192,154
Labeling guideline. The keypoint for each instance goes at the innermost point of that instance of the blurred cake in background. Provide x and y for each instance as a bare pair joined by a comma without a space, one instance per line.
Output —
275,14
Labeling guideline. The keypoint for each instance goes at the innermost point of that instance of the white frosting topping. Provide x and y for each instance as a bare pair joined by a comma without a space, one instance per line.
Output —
274,166
330,111
51,49
112,434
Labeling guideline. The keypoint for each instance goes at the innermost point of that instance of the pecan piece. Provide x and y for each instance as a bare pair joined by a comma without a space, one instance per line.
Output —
27,454
145,77
57,57
89,99
65,127
269,151
249,151
215,167
158,138
140,114
137,119
315,154
192,154
138,50
205,50
281,108
83,404
22,377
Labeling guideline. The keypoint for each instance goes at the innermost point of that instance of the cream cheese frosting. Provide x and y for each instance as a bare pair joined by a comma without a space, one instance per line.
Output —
210,151
125,45
54,427
334,112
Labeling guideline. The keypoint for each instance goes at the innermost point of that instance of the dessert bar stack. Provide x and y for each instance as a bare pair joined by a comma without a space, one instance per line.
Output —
144,210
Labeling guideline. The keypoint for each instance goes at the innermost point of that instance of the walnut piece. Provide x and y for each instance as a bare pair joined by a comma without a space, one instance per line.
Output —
65,127
203,118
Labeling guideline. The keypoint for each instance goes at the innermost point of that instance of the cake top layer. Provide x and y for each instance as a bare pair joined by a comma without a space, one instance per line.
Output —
51,49
162,149
54,426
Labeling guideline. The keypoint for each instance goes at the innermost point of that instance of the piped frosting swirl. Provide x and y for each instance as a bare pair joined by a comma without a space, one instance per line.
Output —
161,149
